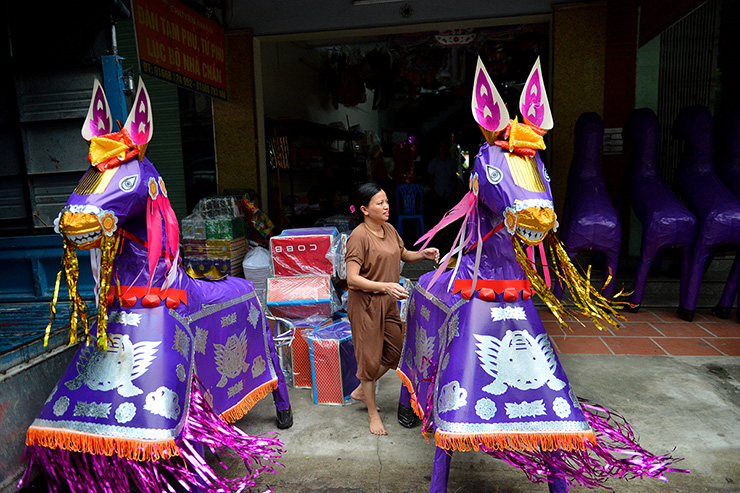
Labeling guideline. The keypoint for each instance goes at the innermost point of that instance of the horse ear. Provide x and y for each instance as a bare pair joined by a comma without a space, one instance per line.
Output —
98,120
488,108
139,122
533,103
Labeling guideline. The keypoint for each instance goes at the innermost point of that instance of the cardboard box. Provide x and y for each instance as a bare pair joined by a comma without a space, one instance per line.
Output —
333,364
305,251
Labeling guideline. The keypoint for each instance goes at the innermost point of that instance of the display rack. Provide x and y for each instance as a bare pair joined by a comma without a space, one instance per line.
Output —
307,162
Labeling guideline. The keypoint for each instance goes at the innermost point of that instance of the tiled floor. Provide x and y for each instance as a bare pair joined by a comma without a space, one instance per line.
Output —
650,332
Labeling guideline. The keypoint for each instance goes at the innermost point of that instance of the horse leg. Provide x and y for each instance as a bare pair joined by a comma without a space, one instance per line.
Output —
722,310
701,254
201,450
687,255
440,471
612,259
646,259
280,394
555,484
406,415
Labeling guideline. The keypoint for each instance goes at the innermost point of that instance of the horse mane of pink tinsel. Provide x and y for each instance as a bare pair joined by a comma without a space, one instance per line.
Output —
159,216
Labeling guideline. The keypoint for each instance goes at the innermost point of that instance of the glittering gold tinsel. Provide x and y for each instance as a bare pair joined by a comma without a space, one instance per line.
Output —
53,307
108,248
588,300
72,271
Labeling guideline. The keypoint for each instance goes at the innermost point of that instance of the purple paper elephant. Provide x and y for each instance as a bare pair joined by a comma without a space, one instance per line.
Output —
590,221
714,205
666,222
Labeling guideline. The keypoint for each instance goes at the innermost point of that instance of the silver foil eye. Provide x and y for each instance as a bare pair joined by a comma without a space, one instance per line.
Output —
494,175
128,183
545,175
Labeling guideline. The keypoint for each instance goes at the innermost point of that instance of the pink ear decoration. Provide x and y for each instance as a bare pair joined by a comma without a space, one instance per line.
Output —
98,120
139,122
533,103
488,108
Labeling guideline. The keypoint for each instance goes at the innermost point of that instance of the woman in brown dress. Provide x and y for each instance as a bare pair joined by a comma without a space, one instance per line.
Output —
374,254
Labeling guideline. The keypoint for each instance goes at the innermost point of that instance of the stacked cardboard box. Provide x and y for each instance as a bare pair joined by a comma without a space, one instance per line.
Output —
301,289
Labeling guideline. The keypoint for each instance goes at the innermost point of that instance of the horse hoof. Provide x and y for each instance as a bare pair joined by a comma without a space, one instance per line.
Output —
284,418
720,311
407,418
685,314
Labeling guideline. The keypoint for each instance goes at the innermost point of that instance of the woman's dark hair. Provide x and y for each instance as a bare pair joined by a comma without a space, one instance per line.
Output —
362,197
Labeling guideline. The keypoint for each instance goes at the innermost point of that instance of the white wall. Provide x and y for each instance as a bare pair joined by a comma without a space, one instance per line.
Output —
292,88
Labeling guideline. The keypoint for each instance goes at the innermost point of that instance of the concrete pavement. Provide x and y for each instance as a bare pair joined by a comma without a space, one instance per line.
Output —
690,403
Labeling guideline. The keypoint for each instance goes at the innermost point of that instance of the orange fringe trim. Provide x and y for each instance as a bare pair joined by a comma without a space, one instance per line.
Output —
414,401
237,411
547,441
502,441
125,448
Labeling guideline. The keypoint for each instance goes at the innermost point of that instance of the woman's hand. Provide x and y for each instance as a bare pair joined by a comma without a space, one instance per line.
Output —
396,290
431,254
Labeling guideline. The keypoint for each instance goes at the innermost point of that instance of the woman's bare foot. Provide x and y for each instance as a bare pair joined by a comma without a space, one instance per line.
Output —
376,425
358,395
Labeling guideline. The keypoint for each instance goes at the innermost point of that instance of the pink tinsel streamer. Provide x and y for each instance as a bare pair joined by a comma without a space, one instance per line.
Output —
84,473
154,235
617,454
464,209
159,213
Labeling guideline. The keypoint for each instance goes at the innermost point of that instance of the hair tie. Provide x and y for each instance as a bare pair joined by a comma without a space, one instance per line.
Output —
352,209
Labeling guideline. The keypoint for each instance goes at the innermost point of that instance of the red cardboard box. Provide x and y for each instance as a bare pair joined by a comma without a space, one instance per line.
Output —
304,251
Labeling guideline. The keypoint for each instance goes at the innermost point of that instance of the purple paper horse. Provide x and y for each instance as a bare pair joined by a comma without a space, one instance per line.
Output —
590,221
171,360
727,163
666,222
714,205
477,362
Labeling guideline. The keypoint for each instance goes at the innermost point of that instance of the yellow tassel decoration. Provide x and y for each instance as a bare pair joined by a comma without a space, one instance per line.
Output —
53,307
108,248
588,300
